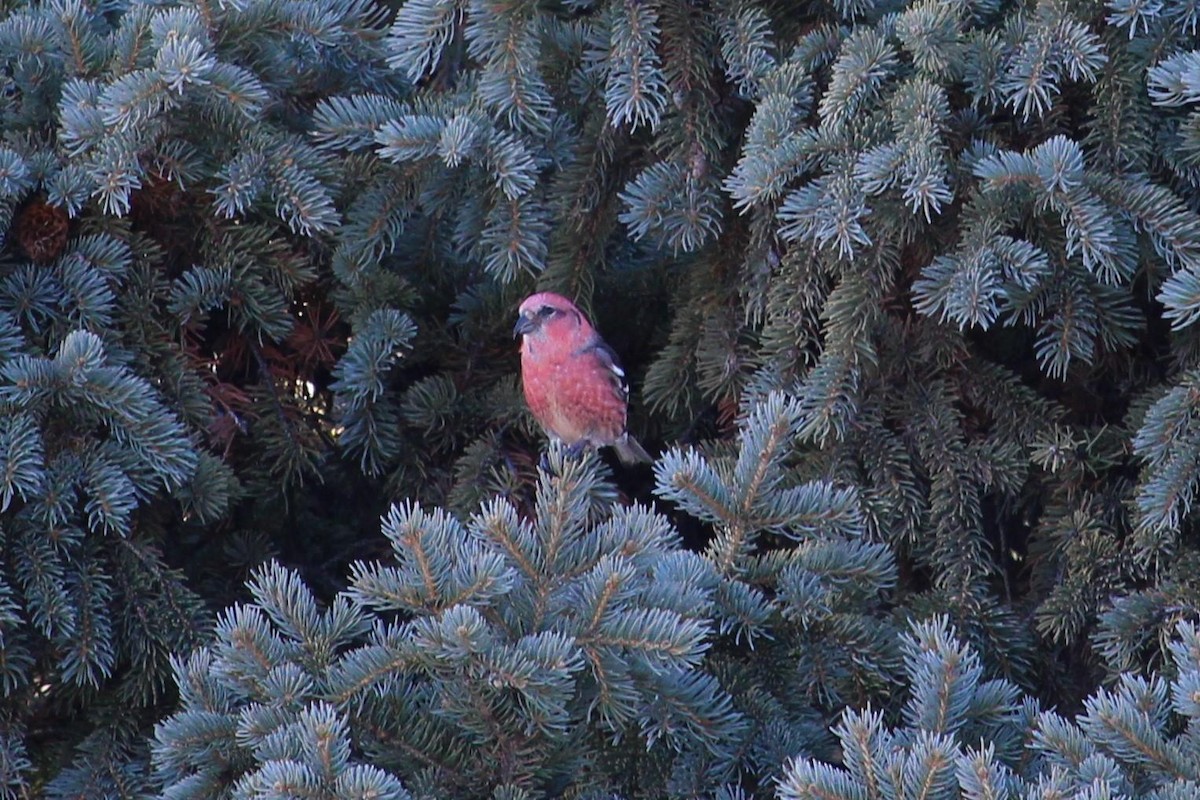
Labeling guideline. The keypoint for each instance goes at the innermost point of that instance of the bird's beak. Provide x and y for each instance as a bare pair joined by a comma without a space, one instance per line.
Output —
524,325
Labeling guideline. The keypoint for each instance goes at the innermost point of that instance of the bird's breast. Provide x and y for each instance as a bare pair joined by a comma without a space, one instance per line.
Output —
572,398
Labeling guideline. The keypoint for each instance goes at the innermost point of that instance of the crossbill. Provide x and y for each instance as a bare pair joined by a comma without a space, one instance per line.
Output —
573,381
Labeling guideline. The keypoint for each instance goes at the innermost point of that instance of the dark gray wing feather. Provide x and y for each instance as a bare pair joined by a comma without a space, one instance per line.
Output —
607,357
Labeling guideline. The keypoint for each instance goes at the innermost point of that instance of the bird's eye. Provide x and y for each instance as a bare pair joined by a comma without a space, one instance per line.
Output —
546,311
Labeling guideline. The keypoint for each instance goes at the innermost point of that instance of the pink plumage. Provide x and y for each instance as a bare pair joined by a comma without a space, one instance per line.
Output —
573,381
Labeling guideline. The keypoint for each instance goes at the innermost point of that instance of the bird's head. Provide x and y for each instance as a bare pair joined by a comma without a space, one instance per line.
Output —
547,313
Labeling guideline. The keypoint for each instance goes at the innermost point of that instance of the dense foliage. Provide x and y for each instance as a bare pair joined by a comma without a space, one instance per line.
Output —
908,293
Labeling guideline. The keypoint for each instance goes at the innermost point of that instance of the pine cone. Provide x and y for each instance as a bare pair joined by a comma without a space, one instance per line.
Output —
41,231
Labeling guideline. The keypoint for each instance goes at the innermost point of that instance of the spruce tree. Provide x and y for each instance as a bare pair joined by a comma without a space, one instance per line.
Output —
907,292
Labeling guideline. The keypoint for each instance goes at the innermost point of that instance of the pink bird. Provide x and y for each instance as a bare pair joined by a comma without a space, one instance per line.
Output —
573,381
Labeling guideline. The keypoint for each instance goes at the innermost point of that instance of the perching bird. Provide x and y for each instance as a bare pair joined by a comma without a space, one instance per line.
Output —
573,381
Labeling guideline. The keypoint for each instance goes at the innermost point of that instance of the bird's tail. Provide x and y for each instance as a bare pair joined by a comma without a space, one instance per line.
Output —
630,451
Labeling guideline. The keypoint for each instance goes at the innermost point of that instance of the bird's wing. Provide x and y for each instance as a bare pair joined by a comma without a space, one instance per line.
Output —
607,358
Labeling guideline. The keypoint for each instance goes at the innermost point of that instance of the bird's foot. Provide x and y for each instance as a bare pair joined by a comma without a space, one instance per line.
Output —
563,454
